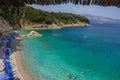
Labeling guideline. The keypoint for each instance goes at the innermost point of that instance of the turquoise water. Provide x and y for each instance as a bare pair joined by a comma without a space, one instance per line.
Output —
89,53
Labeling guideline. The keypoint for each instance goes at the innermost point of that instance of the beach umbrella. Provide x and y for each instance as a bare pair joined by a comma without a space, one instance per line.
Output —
3,76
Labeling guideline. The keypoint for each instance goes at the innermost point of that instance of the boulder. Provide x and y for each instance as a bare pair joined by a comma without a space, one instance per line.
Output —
33,33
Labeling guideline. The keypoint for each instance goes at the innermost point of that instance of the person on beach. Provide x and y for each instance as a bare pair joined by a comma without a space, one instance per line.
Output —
2,67
2,51
5,50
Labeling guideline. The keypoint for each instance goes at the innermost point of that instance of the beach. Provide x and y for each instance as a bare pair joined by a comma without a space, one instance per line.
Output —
19,67
57,54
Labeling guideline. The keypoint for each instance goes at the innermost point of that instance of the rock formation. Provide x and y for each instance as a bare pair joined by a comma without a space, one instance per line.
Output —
35,34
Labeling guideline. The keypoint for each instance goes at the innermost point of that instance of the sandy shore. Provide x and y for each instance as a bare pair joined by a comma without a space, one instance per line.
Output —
20,70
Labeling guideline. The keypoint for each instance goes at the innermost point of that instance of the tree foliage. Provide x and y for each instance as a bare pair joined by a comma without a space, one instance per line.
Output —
38,16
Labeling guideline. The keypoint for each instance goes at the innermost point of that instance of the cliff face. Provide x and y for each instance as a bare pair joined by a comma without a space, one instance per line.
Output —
5,26
31,25
34,19
29,18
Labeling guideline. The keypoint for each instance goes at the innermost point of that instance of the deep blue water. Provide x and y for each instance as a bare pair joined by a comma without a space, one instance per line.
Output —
89,53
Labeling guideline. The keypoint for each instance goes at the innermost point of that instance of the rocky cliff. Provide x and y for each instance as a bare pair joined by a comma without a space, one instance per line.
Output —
5,26
29,18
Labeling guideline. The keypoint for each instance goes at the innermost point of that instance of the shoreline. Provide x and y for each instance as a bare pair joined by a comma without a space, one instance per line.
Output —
19,67
54,26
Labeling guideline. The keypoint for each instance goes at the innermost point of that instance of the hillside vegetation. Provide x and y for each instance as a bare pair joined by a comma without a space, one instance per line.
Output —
31,15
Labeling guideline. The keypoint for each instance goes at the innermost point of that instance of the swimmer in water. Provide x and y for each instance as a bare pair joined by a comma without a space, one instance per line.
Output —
82,72
85,36
88,70
74,77
69,76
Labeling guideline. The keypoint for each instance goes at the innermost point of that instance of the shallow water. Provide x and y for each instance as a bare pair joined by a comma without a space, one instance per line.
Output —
89,53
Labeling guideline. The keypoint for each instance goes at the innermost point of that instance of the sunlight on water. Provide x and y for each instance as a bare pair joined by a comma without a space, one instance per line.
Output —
84,53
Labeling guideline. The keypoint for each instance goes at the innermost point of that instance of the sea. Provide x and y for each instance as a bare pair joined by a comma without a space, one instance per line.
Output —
74,53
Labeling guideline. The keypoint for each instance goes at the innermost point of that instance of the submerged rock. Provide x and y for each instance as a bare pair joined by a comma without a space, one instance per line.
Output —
33,33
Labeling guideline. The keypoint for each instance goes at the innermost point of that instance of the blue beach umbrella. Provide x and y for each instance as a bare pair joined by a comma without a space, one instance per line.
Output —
3,76
8,71
9,39
8,45
8,65
7,53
